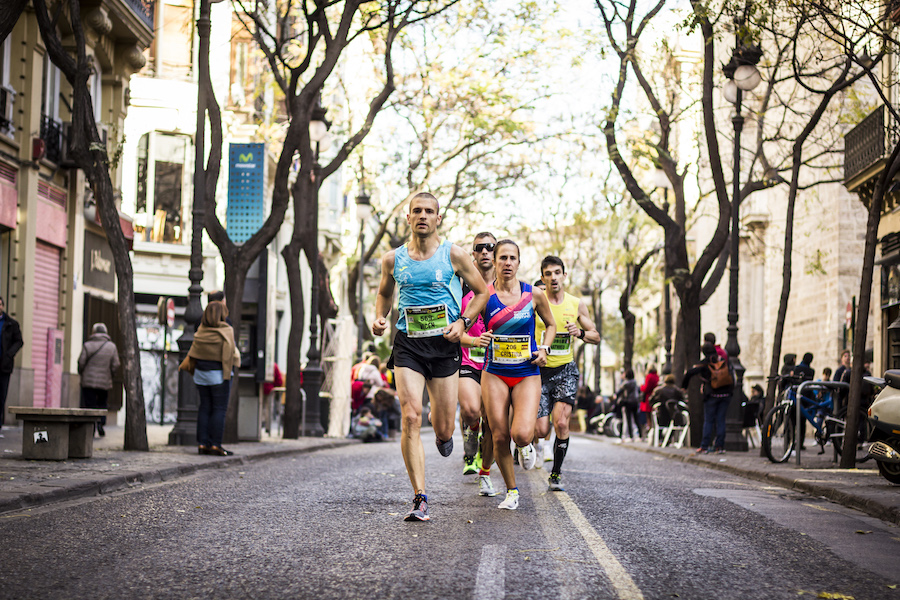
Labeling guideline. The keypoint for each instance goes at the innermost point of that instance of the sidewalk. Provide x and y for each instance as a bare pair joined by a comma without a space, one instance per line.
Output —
30,483
861,488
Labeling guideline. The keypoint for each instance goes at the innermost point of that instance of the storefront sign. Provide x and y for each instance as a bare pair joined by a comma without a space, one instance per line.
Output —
99,270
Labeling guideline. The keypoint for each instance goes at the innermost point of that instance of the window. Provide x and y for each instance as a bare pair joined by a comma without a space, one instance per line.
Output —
160,186
96,87
50,97
7,94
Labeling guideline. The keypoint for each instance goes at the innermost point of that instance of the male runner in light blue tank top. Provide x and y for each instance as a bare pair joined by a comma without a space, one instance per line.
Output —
426,350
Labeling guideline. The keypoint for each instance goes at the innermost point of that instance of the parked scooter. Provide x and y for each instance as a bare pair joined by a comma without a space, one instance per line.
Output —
884,421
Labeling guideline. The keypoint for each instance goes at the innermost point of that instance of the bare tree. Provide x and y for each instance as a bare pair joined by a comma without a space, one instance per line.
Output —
90,155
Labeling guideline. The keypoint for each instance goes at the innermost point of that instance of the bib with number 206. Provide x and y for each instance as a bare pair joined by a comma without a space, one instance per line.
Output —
511,349
426,321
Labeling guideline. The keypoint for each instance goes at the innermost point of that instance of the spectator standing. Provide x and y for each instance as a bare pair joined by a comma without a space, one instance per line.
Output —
844,366
97,364
211,360
711,338
716,391
651,380
10,344
627,402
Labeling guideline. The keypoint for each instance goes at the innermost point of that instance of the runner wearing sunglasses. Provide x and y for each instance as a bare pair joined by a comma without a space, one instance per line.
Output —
473,353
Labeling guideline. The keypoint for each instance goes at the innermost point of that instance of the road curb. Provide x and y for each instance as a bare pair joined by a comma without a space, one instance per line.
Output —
870,506
157,474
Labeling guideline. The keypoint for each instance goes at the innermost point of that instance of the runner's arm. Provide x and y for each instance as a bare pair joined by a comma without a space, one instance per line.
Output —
542,308
465,268
586,324
385,298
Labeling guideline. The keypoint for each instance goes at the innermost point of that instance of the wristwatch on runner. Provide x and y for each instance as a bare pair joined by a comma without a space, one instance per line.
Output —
467,322
545,349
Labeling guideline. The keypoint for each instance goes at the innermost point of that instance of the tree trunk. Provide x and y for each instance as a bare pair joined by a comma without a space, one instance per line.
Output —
235,281
10,11
293,400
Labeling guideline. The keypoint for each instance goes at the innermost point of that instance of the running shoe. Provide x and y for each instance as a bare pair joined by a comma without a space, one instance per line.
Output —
469,466
470,442
512,500
555,485
720,450
539,454
445,448
420,509
527,459
486,486
548,456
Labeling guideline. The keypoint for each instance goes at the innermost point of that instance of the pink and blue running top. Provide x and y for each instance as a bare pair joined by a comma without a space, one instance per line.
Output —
473,357
424,286
513,348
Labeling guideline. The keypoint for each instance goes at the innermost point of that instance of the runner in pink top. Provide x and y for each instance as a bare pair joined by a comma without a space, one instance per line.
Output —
471,411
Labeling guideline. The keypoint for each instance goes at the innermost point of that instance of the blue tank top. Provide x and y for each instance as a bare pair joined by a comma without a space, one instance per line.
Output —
430,292
513,348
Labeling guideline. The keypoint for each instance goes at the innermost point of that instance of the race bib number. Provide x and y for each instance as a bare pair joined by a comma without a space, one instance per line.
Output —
476,355
561,344
426,321
511,349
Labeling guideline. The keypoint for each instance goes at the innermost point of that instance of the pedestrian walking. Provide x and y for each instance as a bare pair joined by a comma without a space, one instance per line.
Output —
559,378
716,391
651,380
212,359
10,344
97,365
426,352
844,366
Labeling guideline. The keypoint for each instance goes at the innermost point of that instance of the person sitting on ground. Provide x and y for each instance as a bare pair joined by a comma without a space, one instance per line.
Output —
359,394
366,427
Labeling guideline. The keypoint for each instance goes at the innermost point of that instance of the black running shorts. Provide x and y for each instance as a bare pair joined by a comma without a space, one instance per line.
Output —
467,371
433,357
559,384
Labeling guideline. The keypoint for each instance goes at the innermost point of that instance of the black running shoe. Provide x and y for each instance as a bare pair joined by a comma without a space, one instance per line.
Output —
445,448
420,509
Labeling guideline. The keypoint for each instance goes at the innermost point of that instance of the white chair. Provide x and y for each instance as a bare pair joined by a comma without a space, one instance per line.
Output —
678,428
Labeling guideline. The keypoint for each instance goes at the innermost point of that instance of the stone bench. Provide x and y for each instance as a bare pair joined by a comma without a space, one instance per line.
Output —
57,433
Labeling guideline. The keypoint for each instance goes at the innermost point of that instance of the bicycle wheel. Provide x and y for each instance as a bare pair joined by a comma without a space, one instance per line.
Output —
836,432
778,433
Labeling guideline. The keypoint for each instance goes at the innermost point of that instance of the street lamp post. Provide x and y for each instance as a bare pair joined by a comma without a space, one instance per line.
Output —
663,182
363,212
313,374
742,76
185,431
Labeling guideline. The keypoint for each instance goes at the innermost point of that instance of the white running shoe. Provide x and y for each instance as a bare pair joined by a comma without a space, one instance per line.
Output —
512,500
486,486
527,457
539,454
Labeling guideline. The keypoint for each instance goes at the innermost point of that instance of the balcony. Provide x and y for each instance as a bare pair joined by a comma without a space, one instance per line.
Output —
866,149
143,9
52,134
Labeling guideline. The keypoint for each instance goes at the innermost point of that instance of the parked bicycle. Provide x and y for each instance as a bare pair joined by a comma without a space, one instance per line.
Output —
817,408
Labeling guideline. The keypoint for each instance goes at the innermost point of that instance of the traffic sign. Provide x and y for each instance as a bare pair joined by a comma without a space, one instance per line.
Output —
849,314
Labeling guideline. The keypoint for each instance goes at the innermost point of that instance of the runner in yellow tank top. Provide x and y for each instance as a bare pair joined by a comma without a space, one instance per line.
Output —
559,378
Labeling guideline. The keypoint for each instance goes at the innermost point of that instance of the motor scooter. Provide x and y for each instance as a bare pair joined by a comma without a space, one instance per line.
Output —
884,421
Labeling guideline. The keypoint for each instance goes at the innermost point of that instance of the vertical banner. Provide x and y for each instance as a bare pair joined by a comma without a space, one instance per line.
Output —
246,183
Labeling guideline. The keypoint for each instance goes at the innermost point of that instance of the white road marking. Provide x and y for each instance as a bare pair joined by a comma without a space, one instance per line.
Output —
491,579
624,585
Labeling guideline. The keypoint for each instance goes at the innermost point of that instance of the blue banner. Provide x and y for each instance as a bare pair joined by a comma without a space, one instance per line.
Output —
246,210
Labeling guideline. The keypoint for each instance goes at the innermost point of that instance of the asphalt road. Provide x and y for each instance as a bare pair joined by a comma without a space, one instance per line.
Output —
330,525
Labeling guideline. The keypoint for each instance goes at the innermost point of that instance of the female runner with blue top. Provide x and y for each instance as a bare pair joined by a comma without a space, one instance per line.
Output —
511,376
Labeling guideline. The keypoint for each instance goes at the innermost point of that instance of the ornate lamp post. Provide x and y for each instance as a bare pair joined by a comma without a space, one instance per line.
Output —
742,76
363,212
313,374
662,182
185,431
